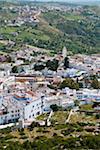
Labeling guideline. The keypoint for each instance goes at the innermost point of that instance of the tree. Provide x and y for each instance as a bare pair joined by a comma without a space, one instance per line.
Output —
39,67
69,83
80,84
9,60
27,145
95,84
76,102
66,62
54,107
15,69
97,116
52,64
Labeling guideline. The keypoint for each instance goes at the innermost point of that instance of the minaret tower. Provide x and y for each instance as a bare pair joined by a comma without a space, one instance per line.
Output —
64,52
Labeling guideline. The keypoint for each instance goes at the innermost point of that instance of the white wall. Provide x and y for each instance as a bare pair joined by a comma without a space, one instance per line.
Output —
33,109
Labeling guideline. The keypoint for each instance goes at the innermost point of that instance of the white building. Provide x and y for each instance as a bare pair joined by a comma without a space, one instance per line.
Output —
26,107
88,95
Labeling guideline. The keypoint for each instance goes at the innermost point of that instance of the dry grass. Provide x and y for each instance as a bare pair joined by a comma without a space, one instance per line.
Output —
60,116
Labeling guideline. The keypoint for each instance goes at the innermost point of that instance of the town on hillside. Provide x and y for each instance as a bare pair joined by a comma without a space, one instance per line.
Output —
49,76
30,89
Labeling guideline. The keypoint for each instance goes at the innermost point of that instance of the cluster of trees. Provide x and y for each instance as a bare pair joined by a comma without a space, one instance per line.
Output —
95,84
15,69
97,116
92,81
50,64
54,107
56,142
39,67
68,82
80,35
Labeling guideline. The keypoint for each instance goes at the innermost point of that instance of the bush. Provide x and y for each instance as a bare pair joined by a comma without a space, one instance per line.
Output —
24,137
22,132
54,107
67,131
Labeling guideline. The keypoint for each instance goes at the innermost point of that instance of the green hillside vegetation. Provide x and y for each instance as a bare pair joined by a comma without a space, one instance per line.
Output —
79,32
58,136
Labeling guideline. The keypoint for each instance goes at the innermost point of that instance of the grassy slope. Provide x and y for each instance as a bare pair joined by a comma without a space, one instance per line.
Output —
58,129
78,32
82,32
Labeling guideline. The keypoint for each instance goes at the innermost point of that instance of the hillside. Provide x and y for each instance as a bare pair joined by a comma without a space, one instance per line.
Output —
80,133
78,31
81,33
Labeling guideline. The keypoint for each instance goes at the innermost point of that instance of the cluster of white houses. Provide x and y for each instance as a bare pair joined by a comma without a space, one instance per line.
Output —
27,95
29,98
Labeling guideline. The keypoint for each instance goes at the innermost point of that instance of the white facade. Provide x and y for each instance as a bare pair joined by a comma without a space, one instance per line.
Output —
18,109
34,109
87,94
8,117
